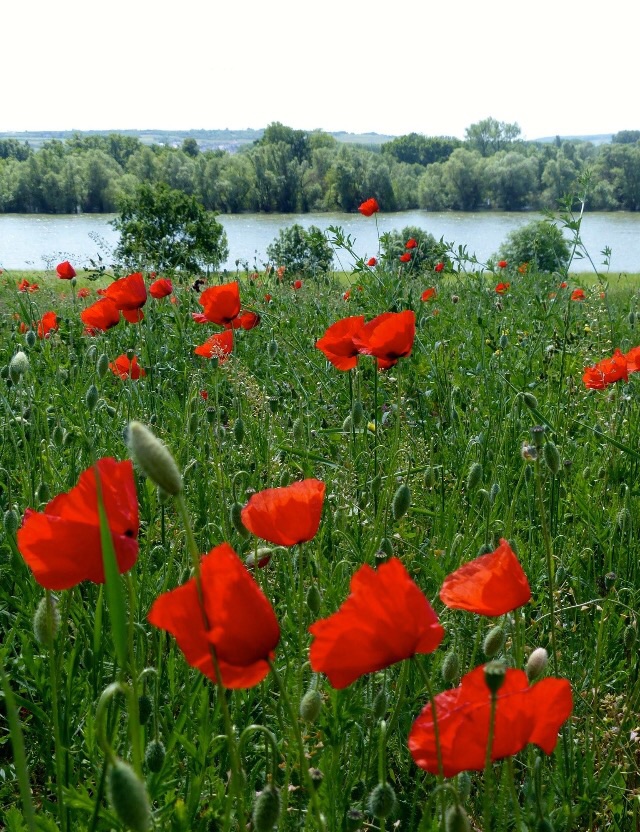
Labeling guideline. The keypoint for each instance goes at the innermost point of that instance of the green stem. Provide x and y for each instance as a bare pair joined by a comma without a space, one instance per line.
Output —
436,736
549,558
487,765
134,713
55,712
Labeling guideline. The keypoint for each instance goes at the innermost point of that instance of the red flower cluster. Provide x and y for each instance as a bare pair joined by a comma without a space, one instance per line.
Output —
62,545
613,369
385,619
235,619
524,714
369,207
387,337
285,516
65,270
125,368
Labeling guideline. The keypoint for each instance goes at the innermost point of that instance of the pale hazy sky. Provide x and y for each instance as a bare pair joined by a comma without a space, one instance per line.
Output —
429,66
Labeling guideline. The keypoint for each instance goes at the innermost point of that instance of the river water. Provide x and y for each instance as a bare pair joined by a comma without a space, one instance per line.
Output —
39,241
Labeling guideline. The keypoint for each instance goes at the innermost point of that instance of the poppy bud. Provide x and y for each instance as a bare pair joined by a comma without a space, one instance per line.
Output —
386,547
128,796
154,756
494,675
629,637
551,457
57,435
495,490
464,785
310,705
11,522
272,348
91,398
494,641
623,519
537,435
530,400
111,411
46,621
429,477
298,430
376,484
314,599
632,317
382,801
354,819
238,430
18,366
154,458
236,520
145,708
503,341
456,819
474,477
536,663
266,809
379,707
30,338
43,494
401,502
451,668
347,424
357,414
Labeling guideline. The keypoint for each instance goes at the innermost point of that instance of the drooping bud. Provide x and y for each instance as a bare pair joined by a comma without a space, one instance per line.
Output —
266,809
153,457
382,801
102,365
451,668
314,599
401,501
536,663
310,705
30,338
235,516
272,348
474,477
357,414
91,398
18,366
154,755
494,675
530,400
46,621
386,546
551,457
494,641
456,819
128,796
145,708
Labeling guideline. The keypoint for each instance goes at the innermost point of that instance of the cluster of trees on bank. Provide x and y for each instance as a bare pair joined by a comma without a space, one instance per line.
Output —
294,171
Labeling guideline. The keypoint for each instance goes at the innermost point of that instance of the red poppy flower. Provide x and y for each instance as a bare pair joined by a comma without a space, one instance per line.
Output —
101,292
503,288
133,316
125,368
101,315
524,714
578,294
411,243
267,298
65,270
199,317
406,257
47,323
439,267
218,346
609,370
204,395
83,293
388,337
346,295
221,304
285,516
61,544
372,262
633,360
563,285
385,619
128,293
25,286
297,284
247,320
338,342
369,207
429,294
238,621
522,268
161,288
502,264
491,584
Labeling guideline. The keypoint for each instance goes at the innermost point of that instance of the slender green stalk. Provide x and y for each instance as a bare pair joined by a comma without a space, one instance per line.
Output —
548,549
488,773
55,712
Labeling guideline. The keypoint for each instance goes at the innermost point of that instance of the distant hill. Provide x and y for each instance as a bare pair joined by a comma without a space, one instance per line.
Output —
600,138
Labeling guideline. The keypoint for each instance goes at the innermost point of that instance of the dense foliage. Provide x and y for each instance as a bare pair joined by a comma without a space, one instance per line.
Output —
294,171
301,251
539,245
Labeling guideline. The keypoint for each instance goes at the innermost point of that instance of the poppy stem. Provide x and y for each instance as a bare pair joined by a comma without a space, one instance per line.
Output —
550,563
436,736
487,765
134,712
55,711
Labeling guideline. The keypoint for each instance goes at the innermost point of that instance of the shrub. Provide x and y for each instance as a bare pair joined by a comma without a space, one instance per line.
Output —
425,255
540,244
301,251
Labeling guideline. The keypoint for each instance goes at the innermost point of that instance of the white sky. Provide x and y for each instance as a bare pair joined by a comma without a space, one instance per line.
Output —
429,66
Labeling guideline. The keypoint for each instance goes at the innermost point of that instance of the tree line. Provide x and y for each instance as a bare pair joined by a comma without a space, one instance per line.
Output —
295,171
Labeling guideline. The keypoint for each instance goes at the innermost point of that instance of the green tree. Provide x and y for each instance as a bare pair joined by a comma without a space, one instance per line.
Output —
165,230
511,180
415,149
489,135
301,251
626,137
425,255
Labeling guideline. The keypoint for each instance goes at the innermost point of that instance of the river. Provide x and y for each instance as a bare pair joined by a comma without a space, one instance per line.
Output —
39,241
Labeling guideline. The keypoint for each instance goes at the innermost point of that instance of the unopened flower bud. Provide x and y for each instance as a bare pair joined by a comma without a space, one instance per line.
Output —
238,430
46,621
43,493
494,641
429,477
464,785
494,675
11,522
18,366
30,338
386,546
357,414
128,796
266,809
91,398
474,477
450,668
310,705
145,708
401,501
272,348
153,457
314,599
382,801
456,819
235,516
623,519
102,365
629,636
536,663
551,457
154,755
530,400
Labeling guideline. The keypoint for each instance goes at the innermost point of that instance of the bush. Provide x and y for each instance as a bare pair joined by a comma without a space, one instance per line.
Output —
540,244
424,256
301,251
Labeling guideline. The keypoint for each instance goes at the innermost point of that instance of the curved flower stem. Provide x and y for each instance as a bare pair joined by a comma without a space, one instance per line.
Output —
402,690
436,736
487,765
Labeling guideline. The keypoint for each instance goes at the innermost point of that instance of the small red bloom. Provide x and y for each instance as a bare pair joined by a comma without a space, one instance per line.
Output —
65,270
200,317
247,320
372,262
128,293
502,264
523,267
238,621
204,395
47,323
338,342
133,316
503,288
578,294
218,346
267,298
83,293
125,368
101,315
221,304
491,584
61,544
25,286
439,267
406,257
297,284
524,714
387,337
369,207
411,243
285,516
385,619
346,295
563,285
161,288
429,294
610,370
633,360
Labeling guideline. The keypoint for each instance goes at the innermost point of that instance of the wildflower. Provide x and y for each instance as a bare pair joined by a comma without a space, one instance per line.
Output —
502,264
280,272
199,317
236,620
218,346
346,295
406,257
633,360
129,295
246,320
608,371
83,293
503,288
61,544
429,294
297,284
25,286
268,298
523,267
563,285
286,516
371,262
439,267
578,294
523,714
65,270
369,207
101,315
492,584
411,243
221,304
48,323
384,620
387,337
338,342
125,367
160,288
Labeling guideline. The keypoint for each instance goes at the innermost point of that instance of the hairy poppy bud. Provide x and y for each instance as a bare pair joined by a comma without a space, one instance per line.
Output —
504,340
379,707
11,522
30,338
46,621
102,365
236,520
238,430
456,819
450,668
18,366
298,430
91,398
495,490
310,705
474,476
266,809
382,801
145,707
347,424
43,494
623,519
530,400
464,785
314,599
429,477
551,457
401,502
153,457
357,414
494,675
536,663
386,546
154,755
629,637
272,348
494,641
128,796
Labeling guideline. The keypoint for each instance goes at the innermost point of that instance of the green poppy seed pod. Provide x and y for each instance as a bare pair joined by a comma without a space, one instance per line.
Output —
266,809
503,342
552,457
354,819
632,318
238,430
386,546
310,705
46,621
357,414
530,400
494,641
379,706
154,755
18,366
464,785
401,501
111,411
11,522
629,637
429,477
537,436
272,348
347,424
30,338
43,494
451,668
456,819
494,675
382,801
145,708
235,517
536,663
154,458
102,364
128,796
314,599
210,414
376,484
298,430
91,398
474,477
